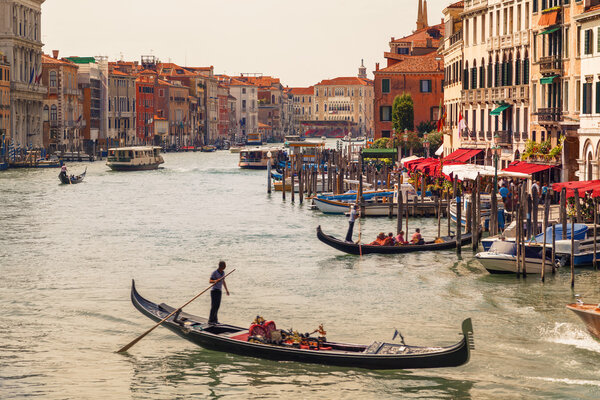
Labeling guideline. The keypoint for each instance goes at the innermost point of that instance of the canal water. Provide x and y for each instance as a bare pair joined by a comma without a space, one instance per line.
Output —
68,255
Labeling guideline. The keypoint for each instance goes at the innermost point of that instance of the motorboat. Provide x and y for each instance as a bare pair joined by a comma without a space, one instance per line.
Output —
589,314
502,256
485,201
258,157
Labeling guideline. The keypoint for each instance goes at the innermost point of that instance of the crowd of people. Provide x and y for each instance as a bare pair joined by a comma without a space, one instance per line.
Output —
507,188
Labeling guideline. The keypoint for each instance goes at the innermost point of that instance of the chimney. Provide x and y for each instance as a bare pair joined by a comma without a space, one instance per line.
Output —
393,38
55,54
376,66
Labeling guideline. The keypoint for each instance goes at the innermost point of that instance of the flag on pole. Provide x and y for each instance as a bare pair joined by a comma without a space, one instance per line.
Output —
442,121
38,79
31,76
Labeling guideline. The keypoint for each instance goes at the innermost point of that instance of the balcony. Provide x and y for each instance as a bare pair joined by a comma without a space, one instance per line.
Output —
517,136
504,138
549,115
551,65
455,38
488,135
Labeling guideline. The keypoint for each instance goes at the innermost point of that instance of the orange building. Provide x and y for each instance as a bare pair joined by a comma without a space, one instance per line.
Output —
413,67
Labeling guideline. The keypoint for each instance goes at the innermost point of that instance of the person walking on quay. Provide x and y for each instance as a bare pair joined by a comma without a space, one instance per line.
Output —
351,219
535,185
216,292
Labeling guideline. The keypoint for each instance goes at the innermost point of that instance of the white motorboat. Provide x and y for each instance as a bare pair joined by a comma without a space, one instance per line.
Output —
501,259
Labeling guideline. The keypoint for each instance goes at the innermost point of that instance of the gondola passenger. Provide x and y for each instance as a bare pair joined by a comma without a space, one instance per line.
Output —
400,238
417,238
379,241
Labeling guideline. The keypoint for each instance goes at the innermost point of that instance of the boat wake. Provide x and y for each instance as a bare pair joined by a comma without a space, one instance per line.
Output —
567,381
566,333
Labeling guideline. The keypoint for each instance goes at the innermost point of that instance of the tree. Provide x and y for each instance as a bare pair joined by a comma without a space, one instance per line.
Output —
403,113
426,127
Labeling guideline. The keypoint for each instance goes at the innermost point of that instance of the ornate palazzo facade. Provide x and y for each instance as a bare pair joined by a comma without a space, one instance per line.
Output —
20,41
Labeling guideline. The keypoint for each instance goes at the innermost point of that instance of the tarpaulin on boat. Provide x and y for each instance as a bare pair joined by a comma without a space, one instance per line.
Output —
470,171
580,231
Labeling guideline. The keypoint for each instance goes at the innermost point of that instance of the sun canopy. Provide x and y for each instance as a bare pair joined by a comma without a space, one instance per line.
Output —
462,155
548,80
470,171
439,151
548,18
409,159
526,168
500,109
550,30
581,186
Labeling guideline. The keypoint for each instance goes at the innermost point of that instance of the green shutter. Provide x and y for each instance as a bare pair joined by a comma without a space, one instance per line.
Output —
585,103
597,97
598,40
586,44
385,85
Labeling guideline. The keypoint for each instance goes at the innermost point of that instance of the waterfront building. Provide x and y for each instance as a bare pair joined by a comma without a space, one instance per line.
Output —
21,43
63,105
302,107
451,51
121,106
145,115
231,112
246,108
346,100
270,103
588,28
413,67
556,79
223,121
92,80
4,100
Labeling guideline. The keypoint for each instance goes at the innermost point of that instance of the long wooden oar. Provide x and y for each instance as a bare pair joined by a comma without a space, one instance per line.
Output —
129,345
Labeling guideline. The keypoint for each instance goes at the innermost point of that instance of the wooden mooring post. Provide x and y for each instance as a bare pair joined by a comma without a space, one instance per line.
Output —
553,257
563,212
400,214
595,203
293,170
283,182
544,228
269,176
572,252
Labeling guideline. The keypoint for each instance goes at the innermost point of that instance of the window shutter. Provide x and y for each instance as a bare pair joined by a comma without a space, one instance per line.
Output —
585,89
597,97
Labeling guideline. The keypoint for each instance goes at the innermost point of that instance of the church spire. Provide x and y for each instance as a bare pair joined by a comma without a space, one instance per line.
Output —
362,70
422,15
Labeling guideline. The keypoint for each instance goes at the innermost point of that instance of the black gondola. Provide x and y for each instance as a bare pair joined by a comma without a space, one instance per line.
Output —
71,180
236,340
354,248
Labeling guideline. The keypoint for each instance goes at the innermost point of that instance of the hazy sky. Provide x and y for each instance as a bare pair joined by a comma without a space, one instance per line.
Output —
301,42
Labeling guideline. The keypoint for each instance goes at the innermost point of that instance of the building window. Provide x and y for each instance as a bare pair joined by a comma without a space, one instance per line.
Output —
385,113
53,113
385,134
243,104
426,86
566,96
46,113
385,86
587,98
52,78
402,50
588,41
578,95
597,97
535,6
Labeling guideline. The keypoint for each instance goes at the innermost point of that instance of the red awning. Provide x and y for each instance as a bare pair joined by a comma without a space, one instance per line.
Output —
526,168
462,155
548,19
581,186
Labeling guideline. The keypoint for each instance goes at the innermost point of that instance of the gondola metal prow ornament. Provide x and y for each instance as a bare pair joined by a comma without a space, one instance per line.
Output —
130,344
396,334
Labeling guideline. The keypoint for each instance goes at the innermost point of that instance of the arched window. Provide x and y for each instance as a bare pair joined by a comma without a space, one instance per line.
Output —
589,167
46,113
509,70
474,75
526,69
466,76
518,69
497,75
482,74
53,113
52,78
490,73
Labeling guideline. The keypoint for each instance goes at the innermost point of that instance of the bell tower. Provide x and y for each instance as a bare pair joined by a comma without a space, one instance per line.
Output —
362,70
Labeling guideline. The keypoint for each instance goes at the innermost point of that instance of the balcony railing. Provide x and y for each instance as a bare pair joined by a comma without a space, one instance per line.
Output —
517,136
504,138
488,135
549,114
457,37
551,65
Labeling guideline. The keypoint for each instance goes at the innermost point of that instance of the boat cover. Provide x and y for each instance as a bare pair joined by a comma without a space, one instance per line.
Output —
580,232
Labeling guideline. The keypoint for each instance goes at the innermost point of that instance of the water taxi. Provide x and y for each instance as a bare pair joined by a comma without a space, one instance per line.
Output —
258,157
137,158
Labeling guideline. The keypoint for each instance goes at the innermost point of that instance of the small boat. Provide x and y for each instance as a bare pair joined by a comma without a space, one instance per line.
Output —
486,206
208,149
72,179
263,340
502,256
137,158
449,242
590,315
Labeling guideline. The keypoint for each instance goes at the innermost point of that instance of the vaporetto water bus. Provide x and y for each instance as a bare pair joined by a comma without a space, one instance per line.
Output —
136,158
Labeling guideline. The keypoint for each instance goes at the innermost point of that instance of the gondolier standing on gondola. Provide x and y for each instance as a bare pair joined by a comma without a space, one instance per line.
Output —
351,219
216,292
